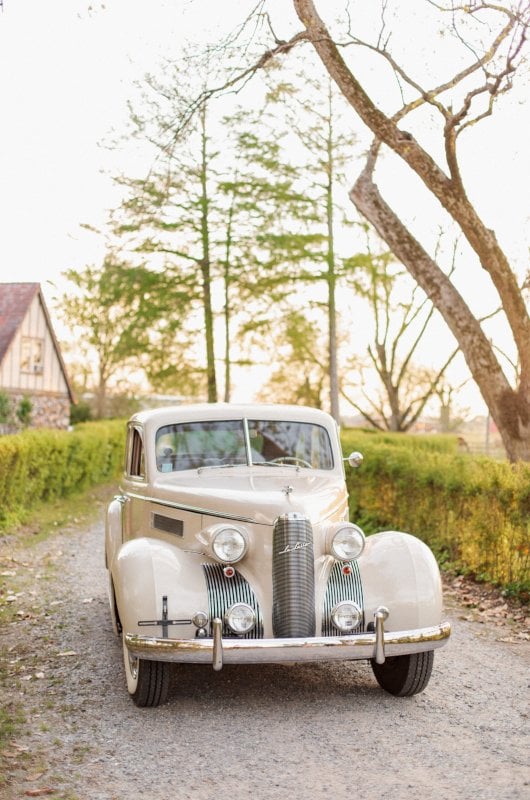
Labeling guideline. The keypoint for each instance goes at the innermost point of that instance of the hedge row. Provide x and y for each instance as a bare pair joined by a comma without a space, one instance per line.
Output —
40,465
473,512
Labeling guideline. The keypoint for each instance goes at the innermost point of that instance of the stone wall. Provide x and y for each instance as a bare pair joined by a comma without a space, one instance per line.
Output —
47,411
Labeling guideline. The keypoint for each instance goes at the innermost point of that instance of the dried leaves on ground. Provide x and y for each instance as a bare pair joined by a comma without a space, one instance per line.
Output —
486,604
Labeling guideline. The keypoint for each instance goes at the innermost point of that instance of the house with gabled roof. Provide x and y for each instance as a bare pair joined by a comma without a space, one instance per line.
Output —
31,365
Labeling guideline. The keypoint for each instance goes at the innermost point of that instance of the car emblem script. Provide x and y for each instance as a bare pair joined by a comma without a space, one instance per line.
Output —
290,548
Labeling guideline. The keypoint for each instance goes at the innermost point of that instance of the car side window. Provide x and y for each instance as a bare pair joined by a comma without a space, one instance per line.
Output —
135,454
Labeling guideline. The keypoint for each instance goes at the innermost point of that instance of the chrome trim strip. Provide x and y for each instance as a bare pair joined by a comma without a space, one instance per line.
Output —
318,648
248,448
181,507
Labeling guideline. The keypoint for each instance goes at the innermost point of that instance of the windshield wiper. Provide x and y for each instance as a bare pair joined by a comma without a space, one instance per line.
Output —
219,466
272,464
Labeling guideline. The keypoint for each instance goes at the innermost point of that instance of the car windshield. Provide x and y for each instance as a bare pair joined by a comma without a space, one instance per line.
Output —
224,443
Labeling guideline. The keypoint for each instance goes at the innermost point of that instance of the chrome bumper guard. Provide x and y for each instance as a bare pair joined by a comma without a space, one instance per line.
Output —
218,651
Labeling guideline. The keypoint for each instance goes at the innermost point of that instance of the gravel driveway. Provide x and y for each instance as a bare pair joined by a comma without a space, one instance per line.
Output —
311,731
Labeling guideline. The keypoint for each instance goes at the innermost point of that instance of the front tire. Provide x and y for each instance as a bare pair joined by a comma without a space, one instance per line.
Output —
147,681
404,676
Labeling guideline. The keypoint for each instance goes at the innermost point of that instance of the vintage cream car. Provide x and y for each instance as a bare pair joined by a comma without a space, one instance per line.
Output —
230,543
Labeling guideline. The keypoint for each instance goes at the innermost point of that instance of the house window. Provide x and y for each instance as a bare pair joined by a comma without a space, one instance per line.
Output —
32,355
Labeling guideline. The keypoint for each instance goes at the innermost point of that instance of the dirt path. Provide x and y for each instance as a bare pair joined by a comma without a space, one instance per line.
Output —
312,731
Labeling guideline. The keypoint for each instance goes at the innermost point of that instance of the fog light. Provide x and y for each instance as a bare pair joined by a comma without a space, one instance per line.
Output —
346,616
240,618
200,619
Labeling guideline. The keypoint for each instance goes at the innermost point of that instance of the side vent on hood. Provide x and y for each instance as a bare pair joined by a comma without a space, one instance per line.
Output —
167,524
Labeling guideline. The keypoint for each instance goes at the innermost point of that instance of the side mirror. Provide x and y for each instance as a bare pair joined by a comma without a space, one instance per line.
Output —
355,459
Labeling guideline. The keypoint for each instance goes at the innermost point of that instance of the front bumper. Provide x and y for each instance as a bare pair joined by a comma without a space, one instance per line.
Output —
218,651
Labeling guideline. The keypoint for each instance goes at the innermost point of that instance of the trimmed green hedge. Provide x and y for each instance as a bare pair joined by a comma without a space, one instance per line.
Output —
474,512
40,465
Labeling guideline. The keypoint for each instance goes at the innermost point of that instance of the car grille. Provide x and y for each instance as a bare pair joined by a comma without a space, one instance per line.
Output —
342,587
293,577
223,592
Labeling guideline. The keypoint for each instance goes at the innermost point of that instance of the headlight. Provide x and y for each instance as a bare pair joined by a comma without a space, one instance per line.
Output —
347,542
240,618
346,616
229,545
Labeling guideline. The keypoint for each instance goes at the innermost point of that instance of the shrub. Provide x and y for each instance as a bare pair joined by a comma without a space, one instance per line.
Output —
80,412
5,408
38,465
473,512
23,412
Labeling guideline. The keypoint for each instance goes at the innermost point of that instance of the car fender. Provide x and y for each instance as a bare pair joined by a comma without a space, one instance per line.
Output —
113,530
400,572
145,571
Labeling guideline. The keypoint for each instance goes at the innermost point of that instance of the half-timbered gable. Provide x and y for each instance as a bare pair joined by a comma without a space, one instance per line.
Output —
31,365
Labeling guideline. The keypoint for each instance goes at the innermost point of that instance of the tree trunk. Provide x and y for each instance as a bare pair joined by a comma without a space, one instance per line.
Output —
509,408
331,278
205,268
101,396
227,308
228,377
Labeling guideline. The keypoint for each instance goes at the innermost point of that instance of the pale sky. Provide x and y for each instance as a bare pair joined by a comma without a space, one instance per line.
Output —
66,75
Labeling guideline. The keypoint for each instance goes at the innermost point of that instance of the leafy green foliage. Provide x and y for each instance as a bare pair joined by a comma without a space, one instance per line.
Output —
38,465
80,412
5,408
312,117
301,376
23,411
120,312
226,217
473,512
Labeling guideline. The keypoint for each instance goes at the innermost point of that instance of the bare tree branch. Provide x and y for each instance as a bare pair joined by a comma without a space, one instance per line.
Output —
238,81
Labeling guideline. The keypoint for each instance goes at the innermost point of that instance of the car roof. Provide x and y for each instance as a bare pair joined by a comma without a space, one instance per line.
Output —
209,411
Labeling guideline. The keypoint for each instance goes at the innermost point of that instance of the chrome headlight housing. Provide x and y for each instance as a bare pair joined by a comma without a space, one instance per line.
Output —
228,543
200,619
240,618
346,541
346,616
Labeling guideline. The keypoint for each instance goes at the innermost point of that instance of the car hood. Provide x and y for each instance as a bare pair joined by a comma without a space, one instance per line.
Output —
255,494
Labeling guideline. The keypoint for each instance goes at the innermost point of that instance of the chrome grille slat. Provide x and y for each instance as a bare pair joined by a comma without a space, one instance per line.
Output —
223,592
342,587
293,577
